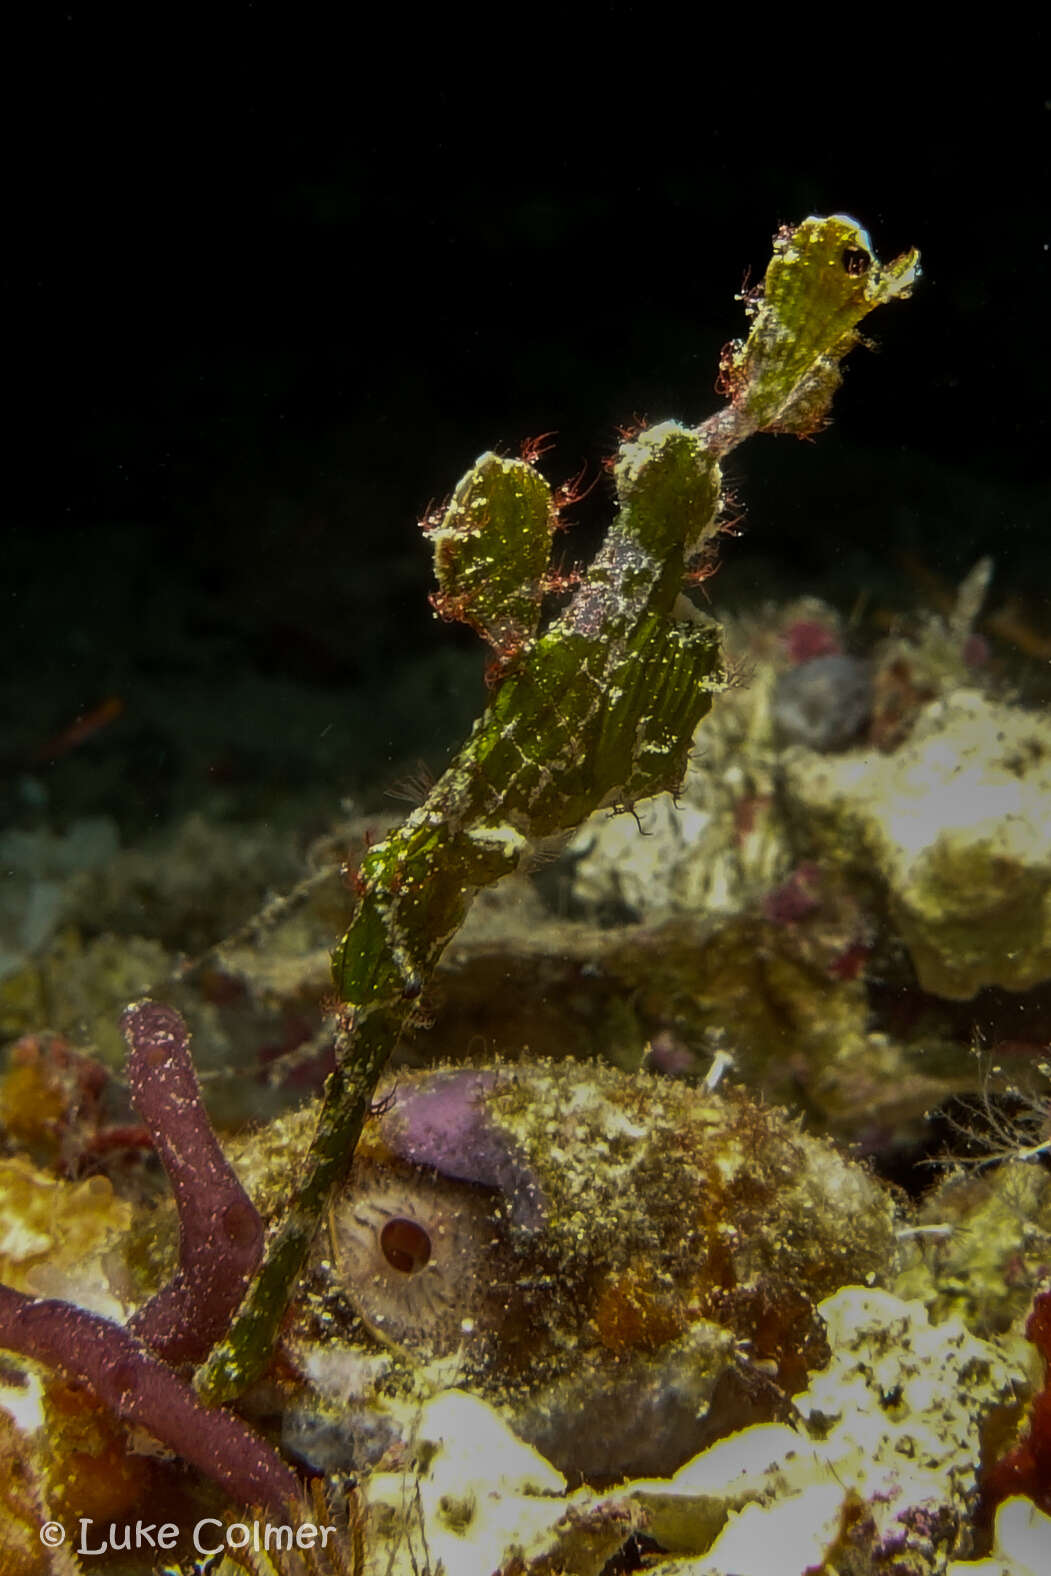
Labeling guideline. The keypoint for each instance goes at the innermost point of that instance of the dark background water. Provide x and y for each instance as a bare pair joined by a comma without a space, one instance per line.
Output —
270,288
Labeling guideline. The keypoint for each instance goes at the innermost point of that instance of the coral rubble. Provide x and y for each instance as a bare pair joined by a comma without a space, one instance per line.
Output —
877,1471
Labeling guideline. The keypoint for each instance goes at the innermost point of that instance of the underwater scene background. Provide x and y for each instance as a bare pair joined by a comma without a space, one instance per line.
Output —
683,1202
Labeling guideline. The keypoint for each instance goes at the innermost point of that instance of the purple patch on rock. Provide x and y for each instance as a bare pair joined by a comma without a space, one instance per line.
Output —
443,1121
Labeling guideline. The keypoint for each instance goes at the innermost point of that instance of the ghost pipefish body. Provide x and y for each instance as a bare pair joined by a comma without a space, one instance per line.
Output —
597,707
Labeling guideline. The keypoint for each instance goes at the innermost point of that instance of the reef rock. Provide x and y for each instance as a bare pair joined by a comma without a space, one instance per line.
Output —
1020,1545
881,1466
625,1266
956,825
877,1471
481,1500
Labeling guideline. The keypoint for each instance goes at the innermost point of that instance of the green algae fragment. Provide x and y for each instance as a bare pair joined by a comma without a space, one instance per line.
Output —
599,709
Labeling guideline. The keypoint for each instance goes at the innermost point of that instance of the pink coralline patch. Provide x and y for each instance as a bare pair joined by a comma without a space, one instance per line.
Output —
1026,1469
976,651
796,898
669,1055
808,638
749,813
850,963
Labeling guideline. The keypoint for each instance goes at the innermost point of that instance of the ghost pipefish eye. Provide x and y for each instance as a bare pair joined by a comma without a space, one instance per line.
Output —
856,261
417,1255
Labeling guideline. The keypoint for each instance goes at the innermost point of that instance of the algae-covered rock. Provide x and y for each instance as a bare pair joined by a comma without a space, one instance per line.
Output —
39,869
881,1464
956,825
78,988
57,1238
982,1246
626,1266
21,1507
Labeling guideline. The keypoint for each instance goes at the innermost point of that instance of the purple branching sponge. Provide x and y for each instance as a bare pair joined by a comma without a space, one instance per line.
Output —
220,1232
140,1389
220,1243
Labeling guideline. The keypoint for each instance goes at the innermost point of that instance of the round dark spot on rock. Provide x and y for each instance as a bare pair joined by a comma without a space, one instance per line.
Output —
405,1244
